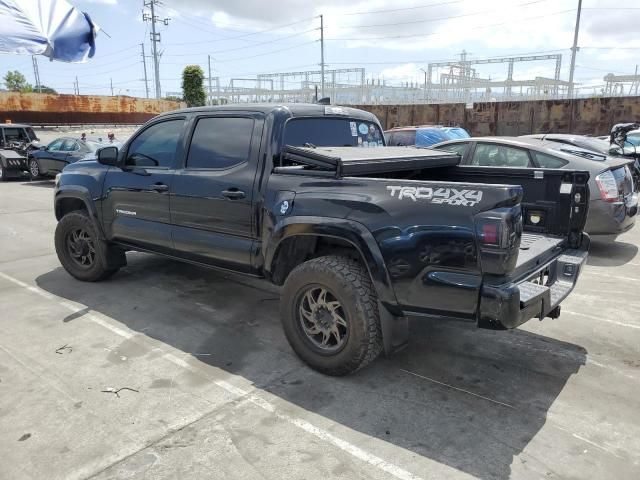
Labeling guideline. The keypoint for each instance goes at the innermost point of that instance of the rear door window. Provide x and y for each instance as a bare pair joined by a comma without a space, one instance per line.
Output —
495,155
220,142
548,161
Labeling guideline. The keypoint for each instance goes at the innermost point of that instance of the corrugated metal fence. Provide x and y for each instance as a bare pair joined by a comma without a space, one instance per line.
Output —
46,109
593,116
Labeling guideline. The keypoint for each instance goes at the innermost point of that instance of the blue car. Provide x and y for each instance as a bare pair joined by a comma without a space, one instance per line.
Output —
423,136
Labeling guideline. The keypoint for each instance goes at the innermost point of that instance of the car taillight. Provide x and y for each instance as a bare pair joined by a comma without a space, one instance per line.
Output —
608,186
490,234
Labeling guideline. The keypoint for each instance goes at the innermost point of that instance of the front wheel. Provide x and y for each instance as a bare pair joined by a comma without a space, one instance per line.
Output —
34,169
79,249
330,315
3,174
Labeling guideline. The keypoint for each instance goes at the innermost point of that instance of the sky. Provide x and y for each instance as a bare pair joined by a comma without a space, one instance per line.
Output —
392,40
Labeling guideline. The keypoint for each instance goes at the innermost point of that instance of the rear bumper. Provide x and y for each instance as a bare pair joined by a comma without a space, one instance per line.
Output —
611,218
510,305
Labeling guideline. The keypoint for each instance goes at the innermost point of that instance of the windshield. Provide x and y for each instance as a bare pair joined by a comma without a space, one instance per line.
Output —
634,139
31,134
332,132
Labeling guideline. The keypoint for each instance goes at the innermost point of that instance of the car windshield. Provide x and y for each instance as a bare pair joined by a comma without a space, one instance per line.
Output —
31,134
332,132
634,139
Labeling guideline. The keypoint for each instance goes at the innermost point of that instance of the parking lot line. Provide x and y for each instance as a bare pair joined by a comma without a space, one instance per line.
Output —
593,317
239,393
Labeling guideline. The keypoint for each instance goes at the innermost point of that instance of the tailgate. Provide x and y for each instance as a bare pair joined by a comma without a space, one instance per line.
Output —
555,202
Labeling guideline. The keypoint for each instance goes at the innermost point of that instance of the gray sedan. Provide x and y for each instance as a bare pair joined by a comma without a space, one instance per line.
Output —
613,204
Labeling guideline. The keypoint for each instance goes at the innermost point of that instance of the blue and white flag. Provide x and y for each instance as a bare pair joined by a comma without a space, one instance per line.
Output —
53,28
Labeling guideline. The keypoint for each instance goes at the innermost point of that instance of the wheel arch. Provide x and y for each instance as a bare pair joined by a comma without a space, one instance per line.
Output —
299,238
296,240
77,198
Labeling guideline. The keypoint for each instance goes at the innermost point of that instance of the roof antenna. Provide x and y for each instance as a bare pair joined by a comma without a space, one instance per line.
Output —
545,135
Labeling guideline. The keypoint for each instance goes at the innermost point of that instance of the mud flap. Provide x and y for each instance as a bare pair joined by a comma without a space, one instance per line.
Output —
395,330
112,256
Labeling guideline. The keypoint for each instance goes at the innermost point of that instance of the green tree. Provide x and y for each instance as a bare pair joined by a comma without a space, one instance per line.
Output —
45,89
16,82
193,86
173,98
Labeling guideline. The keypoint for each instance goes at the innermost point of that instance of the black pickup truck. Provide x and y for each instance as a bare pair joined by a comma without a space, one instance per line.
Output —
359,237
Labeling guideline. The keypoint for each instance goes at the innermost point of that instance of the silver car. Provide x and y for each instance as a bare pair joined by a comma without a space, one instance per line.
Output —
613,204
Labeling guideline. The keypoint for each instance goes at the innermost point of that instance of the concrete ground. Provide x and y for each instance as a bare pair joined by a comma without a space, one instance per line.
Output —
170,371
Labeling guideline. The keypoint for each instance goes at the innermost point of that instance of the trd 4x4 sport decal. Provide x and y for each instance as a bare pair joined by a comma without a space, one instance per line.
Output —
448,196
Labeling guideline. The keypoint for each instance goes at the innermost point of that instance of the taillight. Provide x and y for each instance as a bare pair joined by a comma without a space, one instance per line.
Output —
499,232
490,234
608,186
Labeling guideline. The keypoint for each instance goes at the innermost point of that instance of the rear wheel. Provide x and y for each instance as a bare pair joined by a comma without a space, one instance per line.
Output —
79,249
330,315
34,169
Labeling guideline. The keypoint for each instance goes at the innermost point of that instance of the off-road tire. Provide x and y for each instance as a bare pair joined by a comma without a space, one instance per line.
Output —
351,285
97,270
38,175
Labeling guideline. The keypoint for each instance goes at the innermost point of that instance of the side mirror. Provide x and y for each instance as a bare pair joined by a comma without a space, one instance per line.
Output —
108,156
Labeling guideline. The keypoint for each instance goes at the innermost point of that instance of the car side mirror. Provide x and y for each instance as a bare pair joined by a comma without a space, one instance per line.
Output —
108,156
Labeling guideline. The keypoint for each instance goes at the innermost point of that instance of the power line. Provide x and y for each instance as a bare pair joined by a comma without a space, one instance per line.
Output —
429,20
481,27
370,12
251,33
240,48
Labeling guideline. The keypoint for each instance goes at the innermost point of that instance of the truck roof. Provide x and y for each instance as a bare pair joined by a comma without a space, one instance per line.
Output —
287,109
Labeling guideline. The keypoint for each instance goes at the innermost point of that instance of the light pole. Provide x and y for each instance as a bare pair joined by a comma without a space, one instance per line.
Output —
574,49
425,85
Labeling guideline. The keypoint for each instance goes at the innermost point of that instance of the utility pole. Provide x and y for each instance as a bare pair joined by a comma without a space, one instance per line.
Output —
111,81
155,39
144,65
209,102
36,73
574,49
77,86
322,56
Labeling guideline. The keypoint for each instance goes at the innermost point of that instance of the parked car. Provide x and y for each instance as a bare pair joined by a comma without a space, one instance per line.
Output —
422,136
358,237
16,140
48,161
613,203
595,144
603,146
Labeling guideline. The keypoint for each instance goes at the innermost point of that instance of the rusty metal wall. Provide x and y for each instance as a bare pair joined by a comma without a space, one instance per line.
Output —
593,116
37,108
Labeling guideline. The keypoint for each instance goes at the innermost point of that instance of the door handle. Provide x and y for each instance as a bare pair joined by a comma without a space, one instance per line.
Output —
233,194
159,187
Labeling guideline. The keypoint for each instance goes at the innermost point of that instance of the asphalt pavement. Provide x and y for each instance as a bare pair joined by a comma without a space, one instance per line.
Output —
171,371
